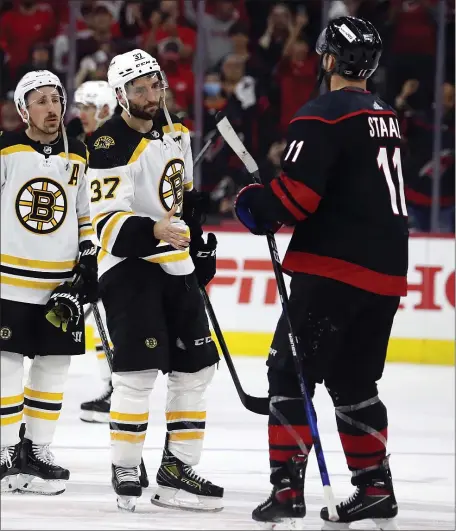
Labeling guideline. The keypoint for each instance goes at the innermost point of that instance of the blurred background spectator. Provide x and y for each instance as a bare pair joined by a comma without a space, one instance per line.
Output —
259,66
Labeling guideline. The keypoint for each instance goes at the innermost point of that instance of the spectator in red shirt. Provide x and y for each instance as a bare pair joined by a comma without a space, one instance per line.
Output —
164,26
180,79
412,46
296,73
22,27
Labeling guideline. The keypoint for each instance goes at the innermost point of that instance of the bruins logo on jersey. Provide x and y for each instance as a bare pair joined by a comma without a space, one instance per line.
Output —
41,205
172,184
104,142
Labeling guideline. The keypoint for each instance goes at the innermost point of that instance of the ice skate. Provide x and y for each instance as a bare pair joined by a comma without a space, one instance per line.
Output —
285,504
373,500
39,474
9,467
125,481
179,487
97,410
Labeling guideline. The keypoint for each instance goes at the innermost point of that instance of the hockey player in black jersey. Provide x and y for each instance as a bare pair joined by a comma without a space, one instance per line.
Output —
152,260
342,188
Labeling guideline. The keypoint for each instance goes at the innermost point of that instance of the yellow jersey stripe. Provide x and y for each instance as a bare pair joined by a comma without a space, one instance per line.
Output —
37,264
139,149
179,128
109,227
73,157
31,284
186,435
169,258
18,148
189,415
127,437
41,414
6,421
10,400
188,186
98,218
130,417
86,232
101,255
31,393
84,219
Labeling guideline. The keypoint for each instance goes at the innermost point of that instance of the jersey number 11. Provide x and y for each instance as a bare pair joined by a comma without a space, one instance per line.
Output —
383,164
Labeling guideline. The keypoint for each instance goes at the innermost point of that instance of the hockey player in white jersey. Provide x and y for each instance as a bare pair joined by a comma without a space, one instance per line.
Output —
96,103
48,270
140,172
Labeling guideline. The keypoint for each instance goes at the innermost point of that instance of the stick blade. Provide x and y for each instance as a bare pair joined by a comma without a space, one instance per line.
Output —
232,139
255,404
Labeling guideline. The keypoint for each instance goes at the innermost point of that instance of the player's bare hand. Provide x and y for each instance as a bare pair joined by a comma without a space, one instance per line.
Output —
172,232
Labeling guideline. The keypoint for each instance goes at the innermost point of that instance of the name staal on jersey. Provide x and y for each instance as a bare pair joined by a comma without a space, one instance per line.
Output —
342,188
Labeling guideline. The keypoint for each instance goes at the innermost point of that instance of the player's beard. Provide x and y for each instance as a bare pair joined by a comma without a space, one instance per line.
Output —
46,128
142,113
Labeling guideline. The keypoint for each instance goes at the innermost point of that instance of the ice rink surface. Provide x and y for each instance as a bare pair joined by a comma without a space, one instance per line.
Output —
421,406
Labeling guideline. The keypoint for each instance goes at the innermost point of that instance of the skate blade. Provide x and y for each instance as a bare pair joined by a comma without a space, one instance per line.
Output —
126,503
383,524
95,417
8,484
179,499
27,483
285,523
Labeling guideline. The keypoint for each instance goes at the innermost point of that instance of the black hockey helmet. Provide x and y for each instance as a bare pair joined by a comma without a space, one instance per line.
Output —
355,44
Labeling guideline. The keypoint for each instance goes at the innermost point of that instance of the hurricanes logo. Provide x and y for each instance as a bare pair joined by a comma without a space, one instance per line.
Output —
104,142
172,184
41,205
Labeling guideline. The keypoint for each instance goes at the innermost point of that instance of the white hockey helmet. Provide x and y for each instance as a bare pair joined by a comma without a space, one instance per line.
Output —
129,66
99,94
33,81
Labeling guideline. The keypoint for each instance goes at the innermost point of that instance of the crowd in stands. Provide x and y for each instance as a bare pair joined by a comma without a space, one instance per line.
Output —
260,67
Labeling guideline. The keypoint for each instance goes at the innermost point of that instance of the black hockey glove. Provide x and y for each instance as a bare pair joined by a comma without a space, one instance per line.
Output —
64,308
204,258
87,269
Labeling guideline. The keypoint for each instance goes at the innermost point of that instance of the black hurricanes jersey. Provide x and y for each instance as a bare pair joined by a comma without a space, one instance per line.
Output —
342,185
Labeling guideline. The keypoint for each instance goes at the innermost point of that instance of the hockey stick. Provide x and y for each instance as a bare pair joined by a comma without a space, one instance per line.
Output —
232,139
143,478
257,405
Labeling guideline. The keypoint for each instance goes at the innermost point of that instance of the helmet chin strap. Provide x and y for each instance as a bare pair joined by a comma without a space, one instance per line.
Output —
168,117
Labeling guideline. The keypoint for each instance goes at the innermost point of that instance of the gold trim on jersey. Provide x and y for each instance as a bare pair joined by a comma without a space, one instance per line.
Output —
73,157
110,226
37,264
84,233
84,219
37,414
188,187
18,148
129,417
186,435
11,400
162,259
139,149
31,284
6,421
177,127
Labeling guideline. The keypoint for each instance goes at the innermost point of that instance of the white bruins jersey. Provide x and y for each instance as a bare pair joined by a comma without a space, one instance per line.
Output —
44,215
135,179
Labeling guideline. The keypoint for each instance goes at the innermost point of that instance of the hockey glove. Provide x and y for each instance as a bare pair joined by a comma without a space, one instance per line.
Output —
249,211
63,309
87,269
196,206
204,258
